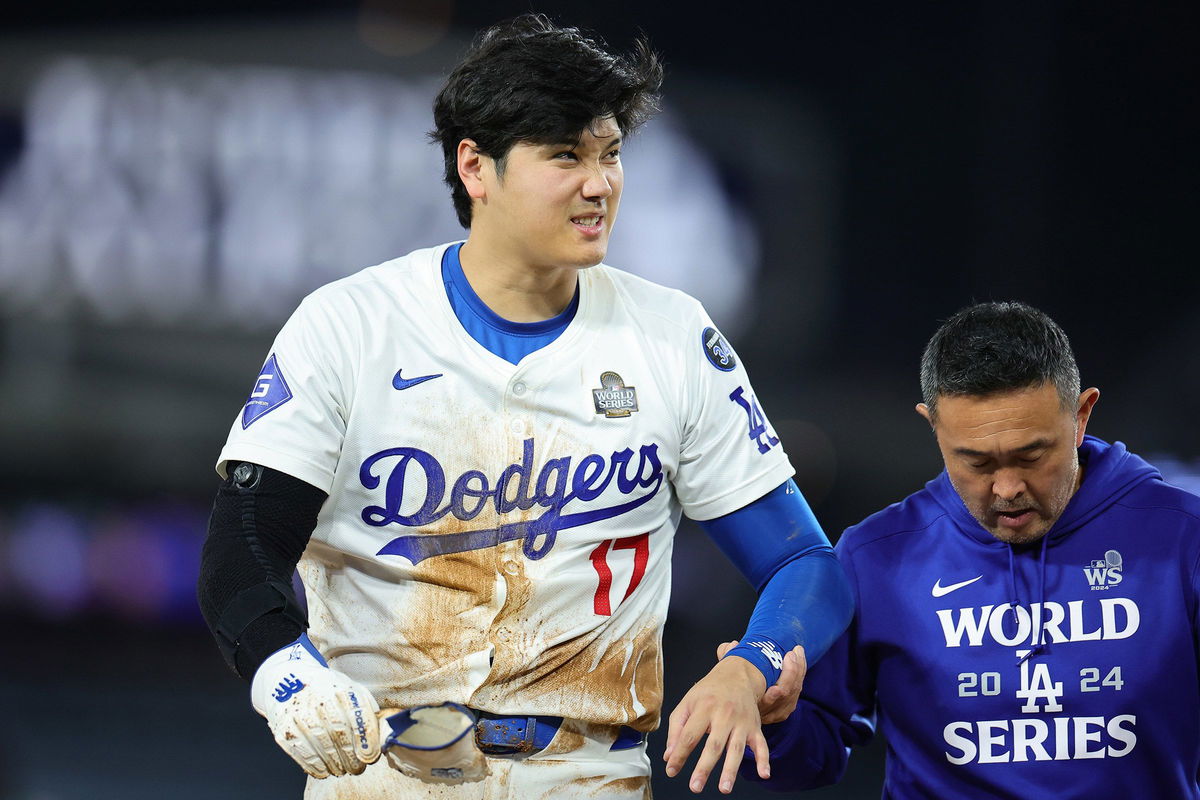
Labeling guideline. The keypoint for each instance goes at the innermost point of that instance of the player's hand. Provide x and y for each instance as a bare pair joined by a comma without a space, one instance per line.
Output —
320,717
780,700
724,705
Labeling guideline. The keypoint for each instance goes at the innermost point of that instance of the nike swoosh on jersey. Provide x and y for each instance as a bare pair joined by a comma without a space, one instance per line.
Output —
939,590
407,383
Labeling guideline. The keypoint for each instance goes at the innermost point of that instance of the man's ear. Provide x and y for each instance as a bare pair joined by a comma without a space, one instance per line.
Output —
1087,401
924,411
470,169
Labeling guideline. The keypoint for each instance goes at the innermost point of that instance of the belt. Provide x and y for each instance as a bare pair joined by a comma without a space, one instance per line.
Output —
499,735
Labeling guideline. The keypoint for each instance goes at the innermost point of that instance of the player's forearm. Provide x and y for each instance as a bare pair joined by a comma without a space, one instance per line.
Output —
807,602
258,530
804,597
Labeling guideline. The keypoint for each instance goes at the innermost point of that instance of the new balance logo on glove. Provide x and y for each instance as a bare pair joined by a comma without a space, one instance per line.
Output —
288,687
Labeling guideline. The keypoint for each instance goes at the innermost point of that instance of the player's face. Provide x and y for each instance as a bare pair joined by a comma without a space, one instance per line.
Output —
1013,457
555,204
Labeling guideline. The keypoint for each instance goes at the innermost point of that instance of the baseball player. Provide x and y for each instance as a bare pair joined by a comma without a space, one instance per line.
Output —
477,455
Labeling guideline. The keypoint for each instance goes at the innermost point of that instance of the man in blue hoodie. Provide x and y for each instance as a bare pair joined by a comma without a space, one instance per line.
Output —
1027,623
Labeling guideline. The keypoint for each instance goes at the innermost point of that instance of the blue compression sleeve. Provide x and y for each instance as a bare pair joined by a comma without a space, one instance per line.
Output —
804,597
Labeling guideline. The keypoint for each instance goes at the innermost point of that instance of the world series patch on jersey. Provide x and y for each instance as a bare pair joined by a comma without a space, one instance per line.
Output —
500,535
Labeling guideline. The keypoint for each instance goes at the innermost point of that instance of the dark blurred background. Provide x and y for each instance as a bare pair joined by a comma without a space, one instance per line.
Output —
832,179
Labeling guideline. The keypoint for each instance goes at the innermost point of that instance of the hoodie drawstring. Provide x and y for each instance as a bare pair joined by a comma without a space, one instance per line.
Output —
1040,645
1012,582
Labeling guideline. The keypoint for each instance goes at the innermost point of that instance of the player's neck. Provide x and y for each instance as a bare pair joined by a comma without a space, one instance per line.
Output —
516,290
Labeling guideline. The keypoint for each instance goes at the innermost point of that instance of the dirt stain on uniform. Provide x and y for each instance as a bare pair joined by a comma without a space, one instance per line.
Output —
459,601
382,781
511,630
438,629
601,786
625,787
615,682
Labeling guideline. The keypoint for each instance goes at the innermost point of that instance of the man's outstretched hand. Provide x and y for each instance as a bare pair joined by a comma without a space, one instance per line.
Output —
724,705
780,700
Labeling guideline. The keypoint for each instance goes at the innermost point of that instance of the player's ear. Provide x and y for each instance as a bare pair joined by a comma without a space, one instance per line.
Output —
470,169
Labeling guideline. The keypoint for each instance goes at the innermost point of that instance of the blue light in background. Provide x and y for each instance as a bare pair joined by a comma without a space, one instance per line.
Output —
139,563
46,558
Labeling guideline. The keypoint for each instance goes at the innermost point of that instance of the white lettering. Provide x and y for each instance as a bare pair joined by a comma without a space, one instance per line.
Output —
1022,740
1124,735
1083,737
967,624
996,625
1029,734
1119,618
1051,626
1077,634
952,737
992,736
1062,751
1108,612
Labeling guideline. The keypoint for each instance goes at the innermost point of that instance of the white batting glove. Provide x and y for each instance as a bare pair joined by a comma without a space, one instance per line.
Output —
434,744
320,717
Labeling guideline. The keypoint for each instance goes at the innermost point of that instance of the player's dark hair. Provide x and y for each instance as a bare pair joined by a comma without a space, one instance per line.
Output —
998,347
528,80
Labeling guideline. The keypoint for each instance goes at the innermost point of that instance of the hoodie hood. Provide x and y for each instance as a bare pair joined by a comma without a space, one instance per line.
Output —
1110,471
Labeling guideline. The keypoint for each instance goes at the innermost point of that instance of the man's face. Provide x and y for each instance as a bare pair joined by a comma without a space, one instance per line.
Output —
555,204
1013,457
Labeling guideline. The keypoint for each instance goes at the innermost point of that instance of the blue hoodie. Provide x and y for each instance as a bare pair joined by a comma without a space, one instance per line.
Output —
1090,688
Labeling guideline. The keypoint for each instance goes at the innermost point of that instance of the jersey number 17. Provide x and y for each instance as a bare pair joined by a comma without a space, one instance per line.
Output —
640,545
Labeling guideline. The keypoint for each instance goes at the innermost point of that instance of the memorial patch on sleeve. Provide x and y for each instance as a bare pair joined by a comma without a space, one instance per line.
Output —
719,353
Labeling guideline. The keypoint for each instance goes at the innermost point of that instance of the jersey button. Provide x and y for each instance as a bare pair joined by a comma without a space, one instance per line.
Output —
511,568
518,388
503,634
517,426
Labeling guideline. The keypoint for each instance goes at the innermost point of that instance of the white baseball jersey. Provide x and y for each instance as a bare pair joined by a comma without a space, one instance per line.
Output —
500,535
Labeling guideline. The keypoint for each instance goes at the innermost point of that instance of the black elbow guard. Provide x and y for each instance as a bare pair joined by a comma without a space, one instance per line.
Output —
262,600
261,522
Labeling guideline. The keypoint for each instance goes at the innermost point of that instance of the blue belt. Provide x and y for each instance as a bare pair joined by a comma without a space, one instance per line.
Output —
499,735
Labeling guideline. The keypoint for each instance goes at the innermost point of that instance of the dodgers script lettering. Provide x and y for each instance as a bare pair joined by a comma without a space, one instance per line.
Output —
557,484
